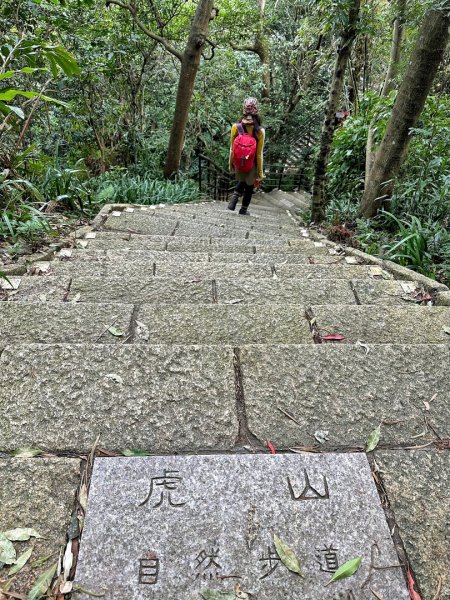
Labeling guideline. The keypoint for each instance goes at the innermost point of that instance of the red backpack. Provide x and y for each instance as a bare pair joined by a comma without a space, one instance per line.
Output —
244,150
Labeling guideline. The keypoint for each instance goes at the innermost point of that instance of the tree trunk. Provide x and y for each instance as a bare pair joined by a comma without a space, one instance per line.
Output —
390,79
425,60
262,50
189,67
397,39
349,34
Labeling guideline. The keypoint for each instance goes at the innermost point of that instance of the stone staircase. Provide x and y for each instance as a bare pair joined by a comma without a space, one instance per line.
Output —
192,329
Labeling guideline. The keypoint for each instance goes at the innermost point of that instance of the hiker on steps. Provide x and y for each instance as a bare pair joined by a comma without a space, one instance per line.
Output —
246,154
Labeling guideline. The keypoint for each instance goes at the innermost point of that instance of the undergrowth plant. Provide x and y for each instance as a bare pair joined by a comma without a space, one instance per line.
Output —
120,187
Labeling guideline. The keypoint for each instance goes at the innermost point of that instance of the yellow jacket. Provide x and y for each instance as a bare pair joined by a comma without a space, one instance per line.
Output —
259,148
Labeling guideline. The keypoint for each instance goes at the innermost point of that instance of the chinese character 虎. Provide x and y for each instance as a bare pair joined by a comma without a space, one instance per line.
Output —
327,558
270,562
309,492
149,569
207,566
167,483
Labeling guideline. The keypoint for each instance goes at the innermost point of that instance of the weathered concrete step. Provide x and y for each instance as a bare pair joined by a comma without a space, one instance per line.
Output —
296,201
256,270
255,219
132,288
165,399
175,266
295,291
219,324
37,493
416,483
118,288
385,292
63,322
259,210
169,226
119,240
278,203
343,393
385,324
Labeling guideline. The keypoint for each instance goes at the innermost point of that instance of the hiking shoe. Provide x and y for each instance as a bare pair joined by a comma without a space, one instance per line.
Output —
244,211
232,203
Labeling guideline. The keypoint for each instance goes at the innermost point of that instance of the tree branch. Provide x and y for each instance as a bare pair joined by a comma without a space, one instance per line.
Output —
146,30
243,48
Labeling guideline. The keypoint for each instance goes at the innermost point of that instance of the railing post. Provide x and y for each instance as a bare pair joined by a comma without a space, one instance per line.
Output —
199,174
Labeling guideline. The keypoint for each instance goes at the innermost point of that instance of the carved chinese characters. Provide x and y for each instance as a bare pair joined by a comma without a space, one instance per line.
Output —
159,528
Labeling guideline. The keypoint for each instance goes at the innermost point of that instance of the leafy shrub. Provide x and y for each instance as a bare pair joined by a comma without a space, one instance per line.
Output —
26,222
421,245
119,187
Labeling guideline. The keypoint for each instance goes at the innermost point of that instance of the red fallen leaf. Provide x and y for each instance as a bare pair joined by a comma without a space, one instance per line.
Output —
333,336
271,447
412,592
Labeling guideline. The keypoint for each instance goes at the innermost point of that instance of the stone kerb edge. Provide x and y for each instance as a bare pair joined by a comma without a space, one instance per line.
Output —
399,272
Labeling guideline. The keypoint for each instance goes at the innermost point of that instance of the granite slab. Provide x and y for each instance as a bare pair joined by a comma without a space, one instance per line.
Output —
162,399
409,324
272,256
220,324
347,391
417,484
291,291
134,288
135,223
38,493
372,291
177,527
49,323
312,271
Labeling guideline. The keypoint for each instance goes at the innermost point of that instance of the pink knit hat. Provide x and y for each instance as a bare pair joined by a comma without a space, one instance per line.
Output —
251,106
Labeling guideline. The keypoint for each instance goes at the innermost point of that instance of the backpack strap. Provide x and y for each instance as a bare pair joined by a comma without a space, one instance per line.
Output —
240,129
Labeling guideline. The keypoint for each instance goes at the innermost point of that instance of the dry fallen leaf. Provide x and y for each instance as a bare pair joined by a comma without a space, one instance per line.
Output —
287,556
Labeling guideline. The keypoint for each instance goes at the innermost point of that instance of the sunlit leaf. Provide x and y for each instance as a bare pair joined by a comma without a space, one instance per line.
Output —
346,570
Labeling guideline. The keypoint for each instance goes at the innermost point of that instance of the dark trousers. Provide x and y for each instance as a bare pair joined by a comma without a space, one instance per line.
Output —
247,190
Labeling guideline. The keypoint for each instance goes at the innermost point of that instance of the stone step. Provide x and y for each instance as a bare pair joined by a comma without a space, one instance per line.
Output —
175,266
168,226
296,200
279,202
415,482
132,288
259,215
221,215
385,324
182,398
156,397
63,322
343,392
117,240
294,291
221,324
37,493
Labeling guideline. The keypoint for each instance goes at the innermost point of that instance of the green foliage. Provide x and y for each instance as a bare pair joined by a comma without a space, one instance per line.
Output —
120,187
421,245
65,186
24,223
